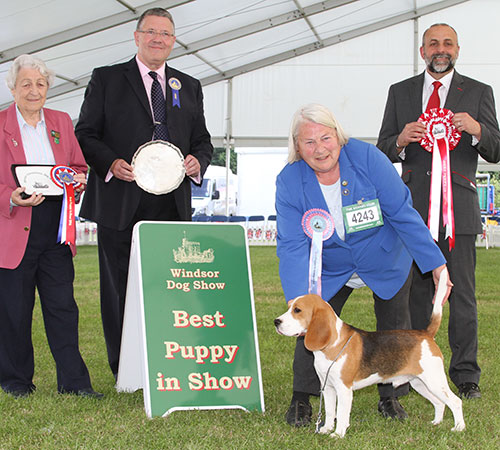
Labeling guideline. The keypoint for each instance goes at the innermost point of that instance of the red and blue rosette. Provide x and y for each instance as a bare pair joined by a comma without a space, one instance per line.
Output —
440,138
317,225
63,177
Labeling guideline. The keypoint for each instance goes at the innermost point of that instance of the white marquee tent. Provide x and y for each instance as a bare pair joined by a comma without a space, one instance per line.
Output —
258,60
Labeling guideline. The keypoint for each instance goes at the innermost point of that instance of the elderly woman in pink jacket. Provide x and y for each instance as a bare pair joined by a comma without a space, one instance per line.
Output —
32,252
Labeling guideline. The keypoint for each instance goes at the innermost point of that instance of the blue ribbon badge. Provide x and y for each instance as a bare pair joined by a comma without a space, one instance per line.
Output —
175,85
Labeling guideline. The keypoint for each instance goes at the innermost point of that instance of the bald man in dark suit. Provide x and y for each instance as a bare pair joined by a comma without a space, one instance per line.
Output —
473,106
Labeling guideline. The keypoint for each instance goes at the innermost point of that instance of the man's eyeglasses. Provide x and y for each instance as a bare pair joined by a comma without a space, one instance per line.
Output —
154,33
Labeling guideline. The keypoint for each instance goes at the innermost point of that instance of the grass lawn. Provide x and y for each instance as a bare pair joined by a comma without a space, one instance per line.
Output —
47,420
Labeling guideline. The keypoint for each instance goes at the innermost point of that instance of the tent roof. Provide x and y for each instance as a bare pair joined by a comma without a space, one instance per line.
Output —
216,40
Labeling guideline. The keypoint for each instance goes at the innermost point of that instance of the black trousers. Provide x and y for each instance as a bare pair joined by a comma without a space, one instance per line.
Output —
393,314
114,256
463,323
48,266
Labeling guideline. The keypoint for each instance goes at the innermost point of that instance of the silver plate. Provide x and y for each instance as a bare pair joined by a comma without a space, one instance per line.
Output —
158,167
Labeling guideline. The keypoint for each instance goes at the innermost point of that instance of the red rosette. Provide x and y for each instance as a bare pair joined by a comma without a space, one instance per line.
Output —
63,176
438,124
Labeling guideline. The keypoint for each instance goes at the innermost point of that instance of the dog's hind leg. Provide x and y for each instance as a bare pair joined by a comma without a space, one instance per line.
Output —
439,406
438,386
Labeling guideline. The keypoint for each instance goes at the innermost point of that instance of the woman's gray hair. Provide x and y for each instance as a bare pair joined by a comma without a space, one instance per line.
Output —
317,114
23,61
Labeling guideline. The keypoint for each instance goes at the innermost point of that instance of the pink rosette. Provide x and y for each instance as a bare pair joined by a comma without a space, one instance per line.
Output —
317,220
440,138
317,225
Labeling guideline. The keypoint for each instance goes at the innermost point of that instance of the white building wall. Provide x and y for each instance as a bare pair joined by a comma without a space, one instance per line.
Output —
257,171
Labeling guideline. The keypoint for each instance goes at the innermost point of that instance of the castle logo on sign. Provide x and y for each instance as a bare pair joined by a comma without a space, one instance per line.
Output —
190,252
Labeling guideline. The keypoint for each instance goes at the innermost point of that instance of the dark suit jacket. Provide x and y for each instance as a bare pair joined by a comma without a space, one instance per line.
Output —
116,119
404,105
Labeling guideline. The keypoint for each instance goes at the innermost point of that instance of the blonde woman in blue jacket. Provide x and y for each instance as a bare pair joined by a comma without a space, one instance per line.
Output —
326,174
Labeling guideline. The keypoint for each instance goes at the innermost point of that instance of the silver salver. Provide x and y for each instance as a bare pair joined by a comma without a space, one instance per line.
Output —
158,167
36,179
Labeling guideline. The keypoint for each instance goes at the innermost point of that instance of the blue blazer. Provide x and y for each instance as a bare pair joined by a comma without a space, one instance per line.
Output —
381,256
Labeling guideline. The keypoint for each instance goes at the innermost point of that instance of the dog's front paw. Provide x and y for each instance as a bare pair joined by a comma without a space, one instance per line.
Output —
325,429
459,427
339,434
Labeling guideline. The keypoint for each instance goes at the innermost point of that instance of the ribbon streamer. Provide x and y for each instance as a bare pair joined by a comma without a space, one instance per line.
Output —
441,137
318,225
63,176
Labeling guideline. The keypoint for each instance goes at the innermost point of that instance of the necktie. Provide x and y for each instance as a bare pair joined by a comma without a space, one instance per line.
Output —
434,101
159,111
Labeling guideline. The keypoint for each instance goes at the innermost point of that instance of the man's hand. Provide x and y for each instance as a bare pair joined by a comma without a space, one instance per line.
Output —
192,166
412,132
34,200
464,122
122,170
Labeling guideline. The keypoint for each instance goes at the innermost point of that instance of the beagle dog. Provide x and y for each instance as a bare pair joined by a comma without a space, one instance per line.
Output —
351,359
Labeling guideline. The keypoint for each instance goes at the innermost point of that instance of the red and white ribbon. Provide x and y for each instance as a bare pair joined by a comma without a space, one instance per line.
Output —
63,176
441,137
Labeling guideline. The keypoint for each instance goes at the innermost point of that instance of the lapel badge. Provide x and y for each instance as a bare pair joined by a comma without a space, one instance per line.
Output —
176,86
14,142
56,135
345,183
345,192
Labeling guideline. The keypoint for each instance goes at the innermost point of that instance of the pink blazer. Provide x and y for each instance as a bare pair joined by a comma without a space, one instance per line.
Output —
15,224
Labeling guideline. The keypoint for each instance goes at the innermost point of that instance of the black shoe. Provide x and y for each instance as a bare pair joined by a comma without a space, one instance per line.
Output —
469,390
85,392
299,414
20,393
390,408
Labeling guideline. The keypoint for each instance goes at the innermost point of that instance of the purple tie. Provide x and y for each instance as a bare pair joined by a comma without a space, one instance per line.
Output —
159,109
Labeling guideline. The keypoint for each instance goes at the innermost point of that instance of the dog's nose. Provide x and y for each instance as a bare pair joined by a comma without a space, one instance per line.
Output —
277,322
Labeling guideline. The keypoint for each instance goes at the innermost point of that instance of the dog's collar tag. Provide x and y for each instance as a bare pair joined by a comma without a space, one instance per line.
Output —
362,216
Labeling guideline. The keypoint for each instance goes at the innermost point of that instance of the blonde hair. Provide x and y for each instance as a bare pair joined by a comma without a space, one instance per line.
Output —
33,62
312,113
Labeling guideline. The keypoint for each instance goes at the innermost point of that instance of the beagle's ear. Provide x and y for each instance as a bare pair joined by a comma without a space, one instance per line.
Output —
319,332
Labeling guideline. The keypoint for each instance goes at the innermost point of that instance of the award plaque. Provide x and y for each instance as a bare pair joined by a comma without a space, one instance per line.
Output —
158,167
36,179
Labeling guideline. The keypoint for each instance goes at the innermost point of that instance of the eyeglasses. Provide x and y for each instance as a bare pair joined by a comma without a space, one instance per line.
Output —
153,33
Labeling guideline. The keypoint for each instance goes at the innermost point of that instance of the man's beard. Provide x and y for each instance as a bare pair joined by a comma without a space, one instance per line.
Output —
435,67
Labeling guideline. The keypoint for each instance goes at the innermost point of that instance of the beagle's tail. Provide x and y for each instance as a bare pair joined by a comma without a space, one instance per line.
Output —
437,311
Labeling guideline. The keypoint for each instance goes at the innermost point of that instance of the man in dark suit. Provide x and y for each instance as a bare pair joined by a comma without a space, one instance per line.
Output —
473,106
118,115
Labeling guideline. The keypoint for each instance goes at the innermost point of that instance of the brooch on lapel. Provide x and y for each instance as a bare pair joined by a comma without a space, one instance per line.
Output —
175,85
14,142
56,135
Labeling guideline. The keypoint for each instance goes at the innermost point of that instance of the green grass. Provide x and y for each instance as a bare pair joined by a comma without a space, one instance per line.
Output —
47,420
